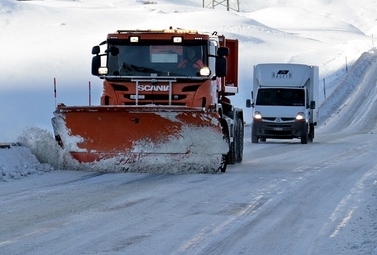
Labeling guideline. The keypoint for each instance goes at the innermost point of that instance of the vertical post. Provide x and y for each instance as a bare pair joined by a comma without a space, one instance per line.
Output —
324,88
55,90
90,94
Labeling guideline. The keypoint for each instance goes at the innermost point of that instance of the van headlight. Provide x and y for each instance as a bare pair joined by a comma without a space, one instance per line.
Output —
300,116
257,116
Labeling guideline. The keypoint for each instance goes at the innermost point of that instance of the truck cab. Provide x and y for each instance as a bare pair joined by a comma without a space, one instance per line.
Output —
144,67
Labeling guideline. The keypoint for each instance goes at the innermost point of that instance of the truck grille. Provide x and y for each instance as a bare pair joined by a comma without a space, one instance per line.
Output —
150,98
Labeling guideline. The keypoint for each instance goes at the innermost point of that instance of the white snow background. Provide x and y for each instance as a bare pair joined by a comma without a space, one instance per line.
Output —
43,40
47,39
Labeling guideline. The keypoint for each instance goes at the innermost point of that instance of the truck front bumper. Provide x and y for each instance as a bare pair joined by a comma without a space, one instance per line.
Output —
286,130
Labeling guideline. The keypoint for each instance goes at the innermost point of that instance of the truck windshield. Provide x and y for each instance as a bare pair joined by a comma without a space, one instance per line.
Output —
283,97
160,60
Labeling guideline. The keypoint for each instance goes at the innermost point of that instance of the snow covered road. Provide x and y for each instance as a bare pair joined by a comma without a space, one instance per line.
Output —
308,199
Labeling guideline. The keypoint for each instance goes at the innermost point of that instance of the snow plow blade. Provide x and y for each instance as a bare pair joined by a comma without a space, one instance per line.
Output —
156,137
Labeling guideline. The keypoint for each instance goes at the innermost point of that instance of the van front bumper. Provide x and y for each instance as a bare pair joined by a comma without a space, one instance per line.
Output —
286,130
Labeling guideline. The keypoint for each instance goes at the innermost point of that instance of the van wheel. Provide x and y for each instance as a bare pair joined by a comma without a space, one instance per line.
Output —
254,137
311,132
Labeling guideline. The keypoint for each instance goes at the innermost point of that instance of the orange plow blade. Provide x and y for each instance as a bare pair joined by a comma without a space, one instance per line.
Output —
157,137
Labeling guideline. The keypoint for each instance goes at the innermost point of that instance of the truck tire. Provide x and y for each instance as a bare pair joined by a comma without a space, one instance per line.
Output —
236,147
304,138
223,164
232,154
226,158
239,137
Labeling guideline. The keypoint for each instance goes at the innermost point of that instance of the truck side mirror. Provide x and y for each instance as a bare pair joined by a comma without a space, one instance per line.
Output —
223,51
95,50
221,62
96,64
312,105
221,66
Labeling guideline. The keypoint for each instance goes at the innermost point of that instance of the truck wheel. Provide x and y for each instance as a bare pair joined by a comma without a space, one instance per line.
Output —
226,158
232,154
239,134
223,164
262,139
304,138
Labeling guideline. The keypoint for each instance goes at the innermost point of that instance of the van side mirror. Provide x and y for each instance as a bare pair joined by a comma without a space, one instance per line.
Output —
249,103
312,105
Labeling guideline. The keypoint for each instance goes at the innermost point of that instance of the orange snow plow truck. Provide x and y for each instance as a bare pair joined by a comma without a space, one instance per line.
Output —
164,103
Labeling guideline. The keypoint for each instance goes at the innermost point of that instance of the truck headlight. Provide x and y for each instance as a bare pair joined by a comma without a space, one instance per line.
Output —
205,71
103,70
300,116
257,116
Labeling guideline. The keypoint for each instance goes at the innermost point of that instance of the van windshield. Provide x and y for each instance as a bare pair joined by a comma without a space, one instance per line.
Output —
283,97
